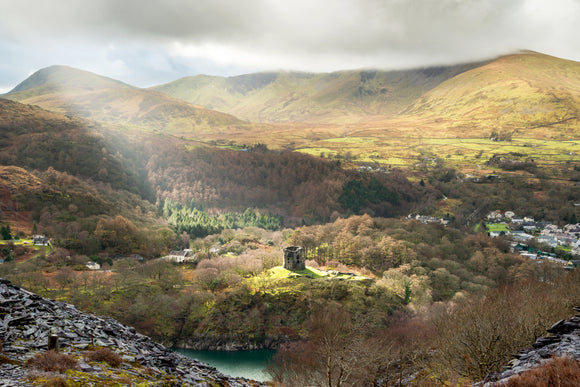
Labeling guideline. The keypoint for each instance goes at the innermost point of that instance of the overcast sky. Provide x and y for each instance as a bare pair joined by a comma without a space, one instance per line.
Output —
149,42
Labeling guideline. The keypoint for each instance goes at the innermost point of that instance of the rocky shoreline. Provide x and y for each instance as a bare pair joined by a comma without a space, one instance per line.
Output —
26,321
213,343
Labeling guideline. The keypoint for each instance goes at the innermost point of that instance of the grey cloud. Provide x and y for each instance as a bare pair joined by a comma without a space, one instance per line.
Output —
299,34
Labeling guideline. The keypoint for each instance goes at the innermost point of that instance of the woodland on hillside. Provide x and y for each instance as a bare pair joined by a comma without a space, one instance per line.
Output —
419,287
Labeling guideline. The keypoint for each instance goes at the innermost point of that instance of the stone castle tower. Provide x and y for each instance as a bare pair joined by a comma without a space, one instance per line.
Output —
293,258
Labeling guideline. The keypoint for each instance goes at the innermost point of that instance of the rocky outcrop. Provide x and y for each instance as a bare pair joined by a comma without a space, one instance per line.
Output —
217,343
564,340
26,321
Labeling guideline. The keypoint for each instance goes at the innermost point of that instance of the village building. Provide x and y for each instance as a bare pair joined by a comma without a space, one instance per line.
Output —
549,240
40,240
509,214
495,216
529,226
93,265
520,235
425,219
181,256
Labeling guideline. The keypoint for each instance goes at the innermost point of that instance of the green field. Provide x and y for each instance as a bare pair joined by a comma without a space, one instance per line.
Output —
467,153
496,227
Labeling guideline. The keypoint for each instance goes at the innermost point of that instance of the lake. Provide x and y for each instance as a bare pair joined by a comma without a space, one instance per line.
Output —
246,364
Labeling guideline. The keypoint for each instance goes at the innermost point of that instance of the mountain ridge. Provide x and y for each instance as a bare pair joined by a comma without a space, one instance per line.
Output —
311,97
528,95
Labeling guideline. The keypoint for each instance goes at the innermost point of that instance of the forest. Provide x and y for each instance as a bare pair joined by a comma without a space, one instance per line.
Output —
417,287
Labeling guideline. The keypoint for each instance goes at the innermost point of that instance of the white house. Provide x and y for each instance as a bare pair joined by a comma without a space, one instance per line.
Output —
40,240
520,235
93,265
181,256
548,239
495,216
529,255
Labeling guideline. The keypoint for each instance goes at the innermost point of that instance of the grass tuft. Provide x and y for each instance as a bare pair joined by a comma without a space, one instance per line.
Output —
560,371
52,361
104,355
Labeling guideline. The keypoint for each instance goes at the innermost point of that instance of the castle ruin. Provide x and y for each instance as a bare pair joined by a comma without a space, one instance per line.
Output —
293,258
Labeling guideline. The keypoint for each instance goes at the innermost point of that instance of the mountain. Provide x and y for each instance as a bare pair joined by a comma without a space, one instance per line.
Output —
305,97
55,78
514,92
84,94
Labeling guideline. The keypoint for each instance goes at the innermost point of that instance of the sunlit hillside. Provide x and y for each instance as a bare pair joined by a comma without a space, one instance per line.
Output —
523,106
338,97
528,92
80,93
451,116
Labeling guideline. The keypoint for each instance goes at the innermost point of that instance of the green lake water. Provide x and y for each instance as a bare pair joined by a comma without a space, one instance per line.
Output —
246,364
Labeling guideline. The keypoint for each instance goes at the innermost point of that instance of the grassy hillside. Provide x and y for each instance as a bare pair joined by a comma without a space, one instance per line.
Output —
80,93
417,119
528,101
521,92
304,97
55,78
33,138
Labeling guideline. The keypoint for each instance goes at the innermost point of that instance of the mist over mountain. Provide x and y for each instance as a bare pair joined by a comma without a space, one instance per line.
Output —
522,90
308,97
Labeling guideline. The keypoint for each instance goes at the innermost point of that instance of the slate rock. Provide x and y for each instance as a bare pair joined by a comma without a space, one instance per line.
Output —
29,319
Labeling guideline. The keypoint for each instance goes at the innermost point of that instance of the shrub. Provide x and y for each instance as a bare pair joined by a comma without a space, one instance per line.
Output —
52,361
55,382
104,354
560,371
479,335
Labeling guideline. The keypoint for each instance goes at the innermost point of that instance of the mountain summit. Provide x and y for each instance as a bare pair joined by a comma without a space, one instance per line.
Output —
81,93
55,78
525,90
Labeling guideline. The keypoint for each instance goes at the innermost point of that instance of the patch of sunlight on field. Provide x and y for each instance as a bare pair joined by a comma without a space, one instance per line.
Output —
497,227
397,161
278,273
353,140
318,151
193,147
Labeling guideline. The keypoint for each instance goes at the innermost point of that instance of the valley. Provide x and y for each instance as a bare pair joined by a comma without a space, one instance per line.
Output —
346,165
